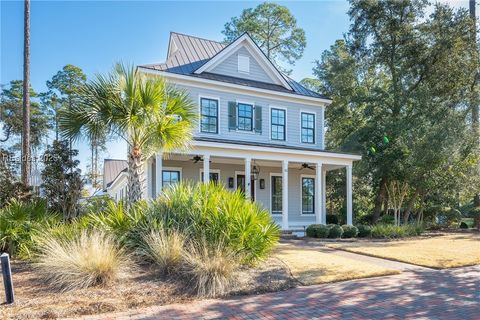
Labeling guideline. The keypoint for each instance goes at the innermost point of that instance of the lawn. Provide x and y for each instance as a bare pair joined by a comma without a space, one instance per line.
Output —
312,266
448,251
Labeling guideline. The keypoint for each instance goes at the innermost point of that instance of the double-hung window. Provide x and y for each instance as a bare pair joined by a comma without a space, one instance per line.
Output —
245,117
170,177
278,124
276,194
308,127
209,115
308,195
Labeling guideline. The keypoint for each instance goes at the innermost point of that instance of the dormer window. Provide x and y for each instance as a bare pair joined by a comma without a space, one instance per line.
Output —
243,64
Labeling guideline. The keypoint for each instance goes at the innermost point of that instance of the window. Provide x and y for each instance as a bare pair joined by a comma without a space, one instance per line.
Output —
209,115
308,195
243,64
276,194
245,117
308,127
278,124
214,177
170,177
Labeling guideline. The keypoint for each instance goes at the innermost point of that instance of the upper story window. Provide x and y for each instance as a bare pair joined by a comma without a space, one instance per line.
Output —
209,115
278,124
245,117
243,64
308,127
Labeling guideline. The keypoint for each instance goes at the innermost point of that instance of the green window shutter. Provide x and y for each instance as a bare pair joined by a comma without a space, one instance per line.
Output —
258,119
232,115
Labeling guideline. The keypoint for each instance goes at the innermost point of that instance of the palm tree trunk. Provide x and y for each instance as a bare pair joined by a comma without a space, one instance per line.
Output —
135,175
26,97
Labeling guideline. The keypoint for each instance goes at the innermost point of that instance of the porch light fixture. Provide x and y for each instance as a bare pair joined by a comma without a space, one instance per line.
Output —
262,183
255,171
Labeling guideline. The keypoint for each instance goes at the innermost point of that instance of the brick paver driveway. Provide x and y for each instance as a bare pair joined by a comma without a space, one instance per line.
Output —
424,294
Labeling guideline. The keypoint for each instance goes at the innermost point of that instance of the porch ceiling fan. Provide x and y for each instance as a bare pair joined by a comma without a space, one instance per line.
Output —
307,166
197,158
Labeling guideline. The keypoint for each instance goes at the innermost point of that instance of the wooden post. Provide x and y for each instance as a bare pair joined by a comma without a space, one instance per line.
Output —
7,278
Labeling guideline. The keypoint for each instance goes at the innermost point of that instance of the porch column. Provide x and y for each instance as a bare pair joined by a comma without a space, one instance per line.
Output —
349,195
324,196
158,172
285,195
248,187
206,168
318,193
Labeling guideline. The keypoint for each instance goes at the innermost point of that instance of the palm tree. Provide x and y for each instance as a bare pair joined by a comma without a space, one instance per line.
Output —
26,97
146,112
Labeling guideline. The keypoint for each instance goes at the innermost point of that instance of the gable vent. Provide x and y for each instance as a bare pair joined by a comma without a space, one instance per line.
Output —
243,64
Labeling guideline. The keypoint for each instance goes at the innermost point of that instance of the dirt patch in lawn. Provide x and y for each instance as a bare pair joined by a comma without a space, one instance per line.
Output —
310,265
34,300
447,251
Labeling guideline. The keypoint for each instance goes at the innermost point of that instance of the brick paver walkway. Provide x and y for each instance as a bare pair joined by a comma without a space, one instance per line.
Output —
422,294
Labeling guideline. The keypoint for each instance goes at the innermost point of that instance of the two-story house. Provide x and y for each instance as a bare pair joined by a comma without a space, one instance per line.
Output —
259,130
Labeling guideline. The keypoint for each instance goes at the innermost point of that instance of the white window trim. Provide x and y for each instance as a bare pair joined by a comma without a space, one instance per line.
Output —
173,169
270,122
239,56
274,174
314,129
253,116
211,171
254,183
200,96
301,198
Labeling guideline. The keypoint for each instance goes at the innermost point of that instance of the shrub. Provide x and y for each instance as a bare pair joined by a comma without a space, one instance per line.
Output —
386,219
317,231
332,219
475,214
392,231
365,219
20,221
349,231
463,225
447,217
93,258
165,249
364,230
334,231
212,212
211,267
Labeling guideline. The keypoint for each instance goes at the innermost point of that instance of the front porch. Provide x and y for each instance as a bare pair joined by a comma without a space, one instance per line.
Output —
289,183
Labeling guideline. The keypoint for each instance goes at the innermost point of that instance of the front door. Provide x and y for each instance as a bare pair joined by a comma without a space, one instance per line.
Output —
241,185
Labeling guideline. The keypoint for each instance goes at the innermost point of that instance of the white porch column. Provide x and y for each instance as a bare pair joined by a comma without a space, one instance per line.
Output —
349,195
318,192
324,196
206,168
285,195
158,171
248,170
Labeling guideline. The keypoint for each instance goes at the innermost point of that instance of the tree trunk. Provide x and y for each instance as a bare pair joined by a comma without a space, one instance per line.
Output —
379,200
26,98
135,175
408,209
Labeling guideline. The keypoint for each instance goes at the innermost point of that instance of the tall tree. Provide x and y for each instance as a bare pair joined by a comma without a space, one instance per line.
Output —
146,112
26,97
474,103
274,29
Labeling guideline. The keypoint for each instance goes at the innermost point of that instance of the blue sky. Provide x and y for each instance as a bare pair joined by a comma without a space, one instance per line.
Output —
95,34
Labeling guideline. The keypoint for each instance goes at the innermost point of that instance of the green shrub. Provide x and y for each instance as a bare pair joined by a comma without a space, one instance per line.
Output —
365,219
364,230
392,231
447,217
317,231
475,214
20,221
334,231
349,231
386,219
332,219
463,225
91,259
212,212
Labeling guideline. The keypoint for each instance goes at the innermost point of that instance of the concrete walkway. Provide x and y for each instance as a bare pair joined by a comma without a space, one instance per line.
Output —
416,294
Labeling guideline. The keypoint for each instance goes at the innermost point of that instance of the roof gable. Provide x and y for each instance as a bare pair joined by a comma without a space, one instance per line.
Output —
245,41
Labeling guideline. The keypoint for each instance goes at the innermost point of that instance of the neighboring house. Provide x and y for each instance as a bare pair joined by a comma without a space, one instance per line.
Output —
115,176
259,130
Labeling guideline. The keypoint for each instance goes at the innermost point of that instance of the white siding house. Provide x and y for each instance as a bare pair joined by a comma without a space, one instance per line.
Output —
254,122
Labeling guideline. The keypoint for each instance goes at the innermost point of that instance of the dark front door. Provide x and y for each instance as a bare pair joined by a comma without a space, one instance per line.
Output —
241,185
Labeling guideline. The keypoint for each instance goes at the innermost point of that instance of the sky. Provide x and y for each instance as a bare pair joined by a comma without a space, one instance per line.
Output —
94,35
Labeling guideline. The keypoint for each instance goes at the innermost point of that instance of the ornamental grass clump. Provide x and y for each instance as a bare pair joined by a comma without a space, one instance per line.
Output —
210,267
164,248
91,259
